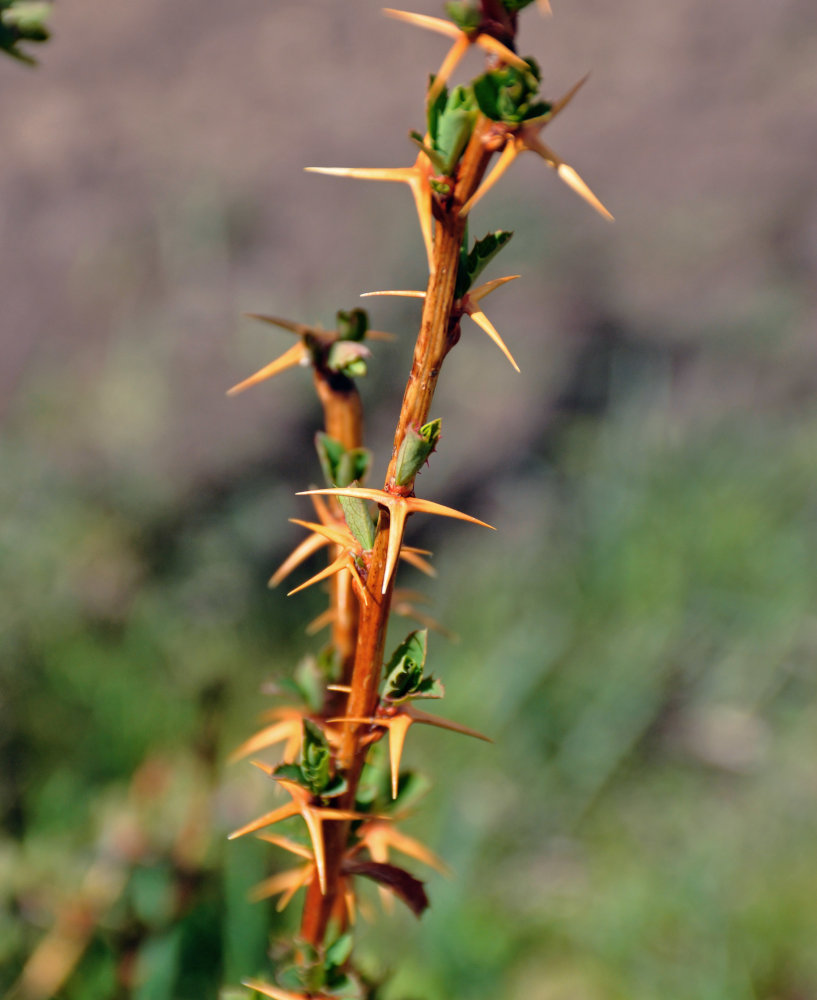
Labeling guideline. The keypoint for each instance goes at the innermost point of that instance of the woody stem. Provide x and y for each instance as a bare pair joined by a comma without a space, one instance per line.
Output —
437,336
343,420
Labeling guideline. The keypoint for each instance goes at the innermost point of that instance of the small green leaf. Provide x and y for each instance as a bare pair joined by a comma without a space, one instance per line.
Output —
436,159
415,450
334,787
358,521
291,772
472,264
429,687
338,953
341,467
330,451
352,325
466,14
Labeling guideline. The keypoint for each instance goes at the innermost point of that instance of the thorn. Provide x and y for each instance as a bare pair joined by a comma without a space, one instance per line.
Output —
298,555
288,845
398,725
417,178
272,991
290,729
381,335
413,558
399,509
301,329
318,624
450,63
566,98
294,356
482,321
462,42
506,158
568,175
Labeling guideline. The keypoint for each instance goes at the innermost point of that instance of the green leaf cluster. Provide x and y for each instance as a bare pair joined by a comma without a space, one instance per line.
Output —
22,21
314,772
341,466
307,969
404,671
415,449
482,253
510,95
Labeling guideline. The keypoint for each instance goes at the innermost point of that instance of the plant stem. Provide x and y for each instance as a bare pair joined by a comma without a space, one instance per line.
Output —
343,420
439,331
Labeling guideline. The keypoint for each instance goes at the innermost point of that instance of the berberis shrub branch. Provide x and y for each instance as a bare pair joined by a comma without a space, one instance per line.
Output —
345,713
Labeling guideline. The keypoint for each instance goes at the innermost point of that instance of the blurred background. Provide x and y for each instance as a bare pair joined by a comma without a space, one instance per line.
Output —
639,637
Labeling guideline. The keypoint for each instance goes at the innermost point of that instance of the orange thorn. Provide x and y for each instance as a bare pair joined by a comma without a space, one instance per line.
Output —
438,24
294,356
450,63
300,329
482,321
330,570
417,178
440,723
331,532
379,837
399,509
506,158
298,555
479,293
461,42
318,624
272,991
290,730
282,812
566,98
413,558
568,175
288,845
312,815
285,884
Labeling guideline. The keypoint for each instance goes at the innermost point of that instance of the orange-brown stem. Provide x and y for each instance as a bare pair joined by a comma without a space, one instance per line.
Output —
438,334
343,420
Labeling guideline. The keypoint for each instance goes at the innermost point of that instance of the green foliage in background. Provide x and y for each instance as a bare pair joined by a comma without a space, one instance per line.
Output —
647,816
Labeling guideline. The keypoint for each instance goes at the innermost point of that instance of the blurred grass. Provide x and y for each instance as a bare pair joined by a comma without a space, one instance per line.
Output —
638,637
